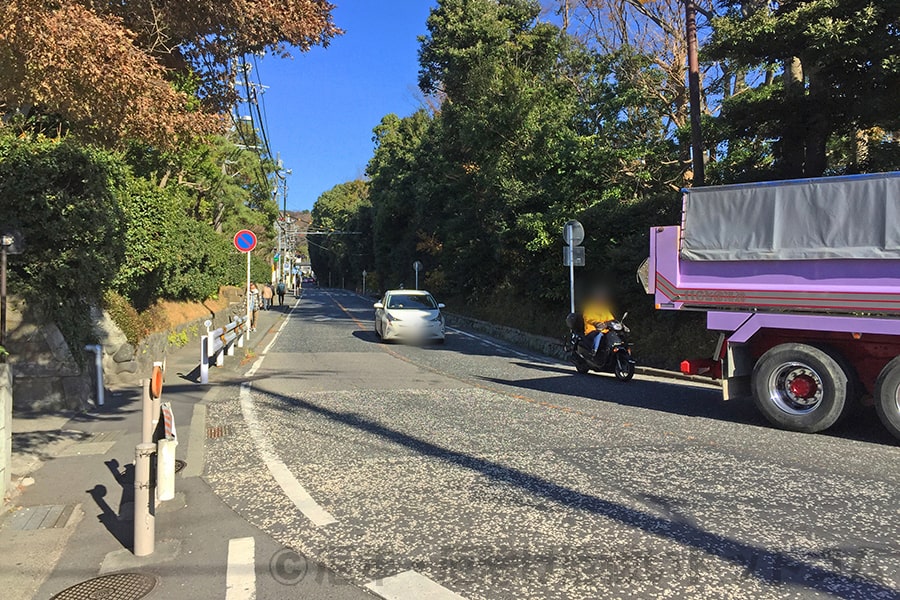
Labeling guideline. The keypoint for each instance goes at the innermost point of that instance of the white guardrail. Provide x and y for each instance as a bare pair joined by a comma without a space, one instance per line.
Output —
218,343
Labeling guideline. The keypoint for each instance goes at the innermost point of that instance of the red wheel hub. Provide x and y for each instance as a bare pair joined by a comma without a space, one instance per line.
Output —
803,386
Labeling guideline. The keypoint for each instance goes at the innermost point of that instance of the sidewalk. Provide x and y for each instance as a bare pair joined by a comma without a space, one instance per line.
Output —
72,520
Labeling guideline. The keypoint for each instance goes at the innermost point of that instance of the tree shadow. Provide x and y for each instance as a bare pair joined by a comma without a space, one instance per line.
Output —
684,398
35,443
769,566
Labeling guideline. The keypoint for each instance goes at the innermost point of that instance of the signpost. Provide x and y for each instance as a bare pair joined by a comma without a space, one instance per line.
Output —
245,241
418,266
573,234
11,242
364,281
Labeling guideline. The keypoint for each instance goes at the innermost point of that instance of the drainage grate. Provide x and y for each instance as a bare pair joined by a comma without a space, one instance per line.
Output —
51,516
217,431
118,586
179,465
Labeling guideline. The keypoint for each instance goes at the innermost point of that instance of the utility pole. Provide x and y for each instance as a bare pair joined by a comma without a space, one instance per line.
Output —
281,181
694,91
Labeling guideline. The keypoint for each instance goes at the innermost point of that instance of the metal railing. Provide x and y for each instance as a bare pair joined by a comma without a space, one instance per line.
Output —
219,343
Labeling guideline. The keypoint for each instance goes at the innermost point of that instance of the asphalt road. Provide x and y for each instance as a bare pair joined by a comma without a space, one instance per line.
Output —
495,473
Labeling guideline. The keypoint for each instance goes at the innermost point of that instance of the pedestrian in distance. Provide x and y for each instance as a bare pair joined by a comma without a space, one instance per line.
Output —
255,301
281,289
267,295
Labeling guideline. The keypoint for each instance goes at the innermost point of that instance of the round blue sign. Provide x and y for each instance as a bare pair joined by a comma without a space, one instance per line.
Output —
245,240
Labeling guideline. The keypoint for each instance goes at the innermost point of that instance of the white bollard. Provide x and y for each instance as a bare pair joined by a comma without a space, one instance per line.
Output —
220,358
97,349
204,359
231,349
165,469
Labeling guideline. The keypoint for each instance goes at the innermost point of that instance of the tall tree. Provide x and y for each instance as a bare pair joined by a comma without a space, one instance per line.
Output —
837,75
135,69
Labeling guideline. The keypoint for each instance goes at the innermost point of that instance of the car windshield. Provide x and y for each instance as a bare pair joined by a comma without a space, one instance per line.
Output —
418,301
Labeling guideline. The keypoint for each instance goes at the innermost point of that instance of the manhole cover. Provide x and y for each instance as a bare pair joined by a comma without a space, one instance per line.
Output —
179,465
118,586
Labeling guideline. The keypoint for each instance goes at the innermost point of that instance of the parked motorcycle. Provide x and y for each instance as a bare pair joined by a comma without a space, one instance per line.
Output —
613,355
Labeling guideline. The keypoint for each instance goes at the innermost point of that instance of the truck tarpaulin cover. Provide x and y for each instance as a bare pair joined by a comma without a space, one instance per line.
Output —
833,217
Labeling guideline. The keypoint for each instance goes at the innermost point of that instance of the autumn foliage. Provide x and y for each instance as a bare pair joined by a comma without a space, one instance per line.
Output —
106,70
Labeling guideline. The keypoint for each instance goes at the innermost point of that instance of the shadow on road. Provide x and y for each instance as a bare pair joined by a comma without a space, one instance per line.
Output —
769,566
682,398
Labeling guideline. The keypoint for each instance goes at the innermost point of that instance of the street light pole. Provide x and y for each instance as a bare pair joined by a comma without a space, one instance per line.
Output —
699,167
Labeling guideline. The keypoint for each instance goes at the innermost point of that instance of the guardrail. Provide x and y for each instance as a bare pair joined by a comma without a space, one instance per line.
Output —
221,342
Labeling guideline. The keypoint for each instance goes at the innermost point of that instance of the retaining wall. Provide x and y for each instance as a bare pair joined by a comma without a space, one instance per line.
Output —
538,343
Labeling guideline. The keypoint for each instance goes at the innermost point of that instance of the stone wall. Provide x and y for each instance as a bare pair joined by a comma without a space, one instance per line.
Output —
125,364
46,376
6,401
540,344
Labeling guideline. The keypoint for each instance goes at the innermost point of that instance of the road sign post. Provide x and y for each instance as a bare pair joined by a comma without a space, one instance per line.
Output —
573,234
417,266
245,241
570,234
364,273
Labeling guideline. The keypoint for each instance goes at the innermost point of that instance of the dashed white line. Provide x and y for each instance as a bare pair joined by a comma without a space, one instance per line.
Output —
411,585
240,575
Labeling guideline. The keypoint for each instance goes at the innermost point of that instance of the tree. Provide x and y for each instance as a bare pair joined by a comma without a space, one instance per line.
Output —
343,213
831,100
62,197
83,72
150,70
203,37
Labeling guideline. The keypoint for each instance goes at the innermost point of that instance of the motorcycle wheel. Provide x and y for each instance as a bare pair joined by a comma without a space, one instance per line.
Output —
624,368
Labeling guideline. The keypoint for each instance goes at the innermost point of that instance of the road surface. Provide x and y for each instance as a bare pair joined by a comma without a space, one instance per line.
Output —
478,470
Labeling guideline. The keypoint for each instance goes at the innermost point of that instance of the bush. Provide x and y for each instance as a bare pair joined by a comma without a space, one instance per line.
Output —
168,254
61,196
125,316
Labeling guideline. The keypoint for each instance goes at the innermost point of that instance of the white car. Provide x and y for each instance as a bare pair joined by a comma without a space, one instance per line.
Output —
410,315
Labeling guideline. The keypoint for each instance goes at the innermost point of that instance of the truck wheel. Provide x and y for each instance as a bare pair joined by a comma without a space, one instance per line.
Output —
887,396
800,388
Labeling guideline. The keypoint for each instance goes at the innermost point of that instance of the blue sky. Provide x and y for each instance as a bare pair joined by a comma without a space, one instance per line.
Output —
321,106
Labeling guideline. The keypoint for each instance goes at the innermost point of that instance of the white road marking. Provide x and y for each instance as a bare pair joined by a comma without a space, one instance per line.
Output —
240,576
280,472
410,585
490,343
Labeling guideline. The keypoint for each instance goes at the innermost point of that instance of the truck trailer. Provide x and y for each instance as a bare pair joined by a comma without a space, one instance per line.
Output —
802,281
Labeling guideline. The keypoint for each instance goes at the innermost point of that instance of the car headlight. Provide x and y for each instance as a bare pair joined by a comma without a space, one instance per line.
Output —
391,317
438,319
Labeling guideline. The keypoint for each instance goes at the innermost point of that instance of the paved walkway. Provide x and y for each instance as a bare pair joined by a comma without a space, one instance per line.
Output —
72,520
